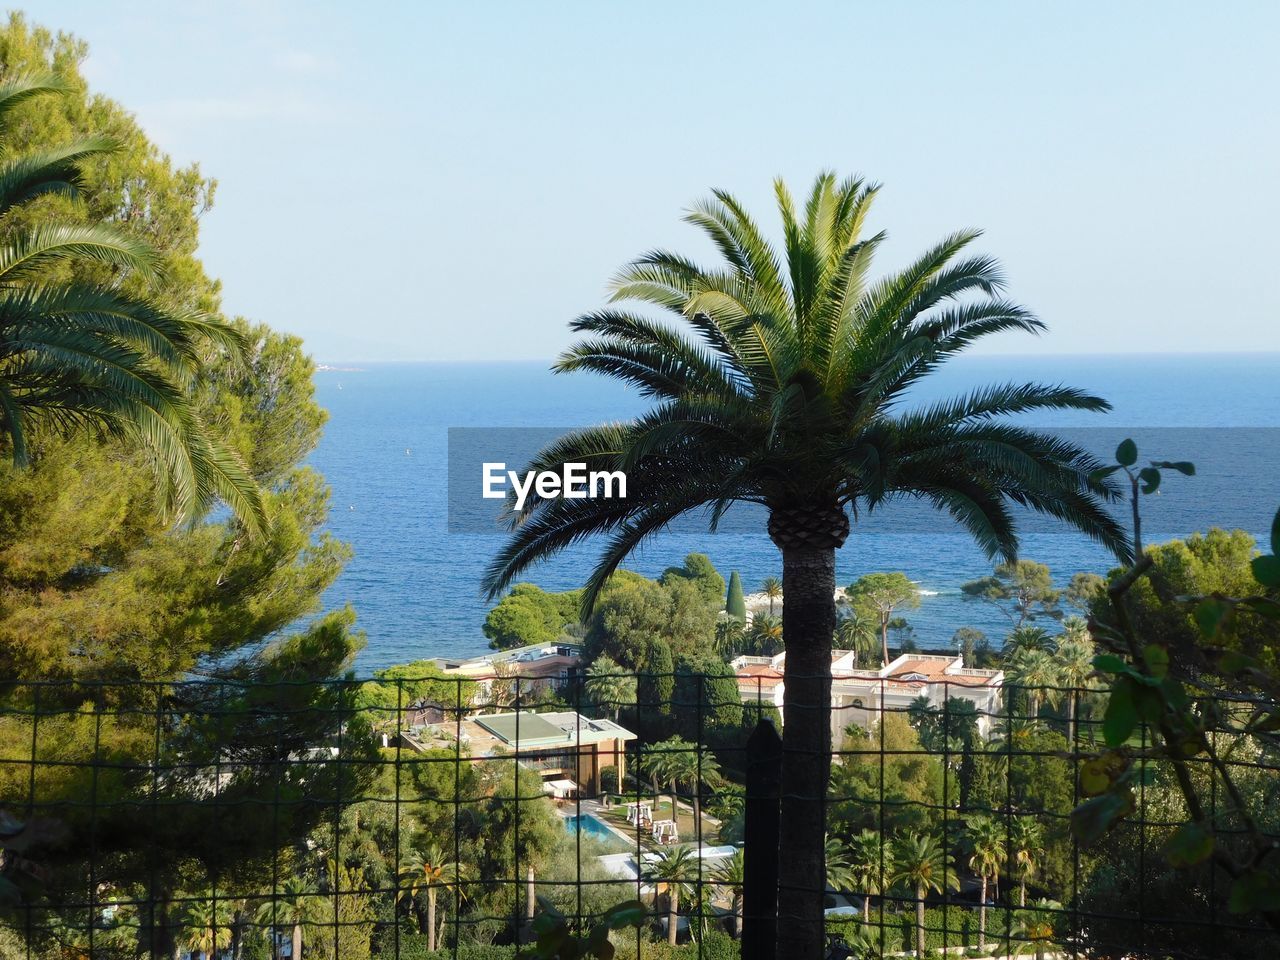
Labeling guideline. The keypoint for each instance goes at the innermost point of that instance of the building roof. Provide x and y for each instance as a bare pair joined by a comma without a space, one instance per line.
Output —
537,731
907,670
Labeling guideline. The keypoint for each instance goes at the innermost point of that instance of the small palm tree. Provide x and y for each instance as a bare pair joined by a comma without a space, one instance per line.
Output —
765,635
840,871
693,767
856,632
729,636
428,872
1036,926
74,354
676,869
1074,658
609,687
1027,637
787,385
208,927
1036,672
922,865
731,874
295,907
985,841
870,865
1026,847
772,588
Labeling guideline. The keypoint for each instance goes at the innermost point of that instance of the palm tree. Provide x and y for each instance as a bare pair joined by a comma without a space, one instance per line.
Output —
208,926
1036,672
985,841
772,588
857,632
76,354
1074,658
765,635
693,767
1026,844
609,687
839,865
731,874
429,871
663,764
729,636
295,907
921,863
785,388
677,869
870,863
1027,638
1036,927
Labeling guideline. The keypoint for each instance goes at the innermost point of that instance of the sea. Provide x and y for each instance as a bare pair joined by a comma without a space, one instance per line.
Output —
415,582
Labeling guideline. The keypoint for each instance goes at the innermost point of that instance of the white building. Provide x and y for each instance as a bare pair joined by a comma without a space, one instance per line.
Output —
859,696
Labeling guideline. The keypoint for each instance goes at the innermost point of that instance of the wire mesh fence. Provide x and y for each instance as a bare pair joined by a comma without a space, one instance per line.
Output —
443,816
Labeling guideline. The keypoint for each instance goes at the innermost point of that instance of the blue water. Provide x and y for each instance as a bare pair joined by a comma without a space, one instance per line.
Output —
415,586
591,827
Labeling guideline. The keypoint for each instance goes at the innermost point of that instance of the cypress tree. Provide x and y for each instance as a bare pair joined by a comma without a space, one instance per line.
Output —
734,605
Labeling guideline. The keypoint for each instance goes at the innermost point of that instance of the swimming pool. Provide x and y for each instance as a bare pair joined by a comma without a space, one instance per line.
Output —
594,828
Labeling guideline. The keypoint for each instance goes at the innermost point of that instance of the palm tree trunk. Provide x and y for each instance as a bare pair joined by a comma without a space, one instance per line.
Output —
1071,719
530,897
297,942
431,919
737,916
673,909
1022,892
920,923
808,624
866,908
982,915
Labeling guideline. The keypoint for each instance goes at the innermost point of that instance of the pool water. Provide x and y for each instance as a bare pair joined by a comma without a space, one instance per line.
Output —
592,827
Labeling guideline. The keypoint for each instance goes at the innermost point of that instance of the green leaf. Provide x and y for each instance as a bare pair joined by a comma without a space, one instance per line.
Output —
1275,533
1209,615
1121,717
1099,773
1266,570
1156,658
1102,473
1184,467
1150,478
1189,845
1233,661
1254,890
1127,453
1109,663
1093,818
629,914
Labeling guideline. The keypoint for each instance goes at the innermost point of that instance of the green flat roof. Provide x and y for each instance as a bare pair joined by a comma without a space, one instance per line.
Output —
532,728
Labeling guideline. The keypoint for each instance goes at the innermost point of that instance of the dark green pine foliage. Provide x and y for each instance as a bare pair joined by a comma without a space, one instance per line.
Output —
734,604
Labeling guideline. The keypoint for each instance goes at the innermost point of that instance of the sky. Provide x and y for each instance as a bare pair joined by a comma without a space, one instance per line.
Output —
449,181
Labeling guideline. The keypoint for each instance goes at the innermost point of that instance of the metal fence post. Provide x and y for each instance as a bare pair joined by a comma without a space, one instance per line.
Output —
760,842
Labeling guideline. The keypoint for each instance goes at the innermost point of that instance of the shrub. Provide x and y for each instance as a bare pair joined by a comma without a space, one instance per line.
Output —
609,779
899,929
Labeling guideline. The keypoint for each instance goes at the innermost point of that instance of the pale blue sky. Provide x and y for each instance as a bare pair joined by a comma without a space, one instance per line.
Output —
456,181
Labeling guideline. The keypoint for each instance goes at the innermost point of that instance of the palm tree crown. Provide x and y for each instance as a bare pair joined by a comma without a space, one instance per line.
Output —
78,354
786,393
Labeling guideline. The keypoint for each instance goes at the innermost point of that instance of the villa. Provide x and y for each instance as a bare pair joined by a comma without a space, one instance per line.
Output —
536,667
860,696
568,750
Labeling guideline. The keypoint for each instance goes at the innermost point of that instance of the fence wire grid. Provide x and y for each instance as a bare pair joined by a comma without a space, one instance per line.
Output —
439,816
